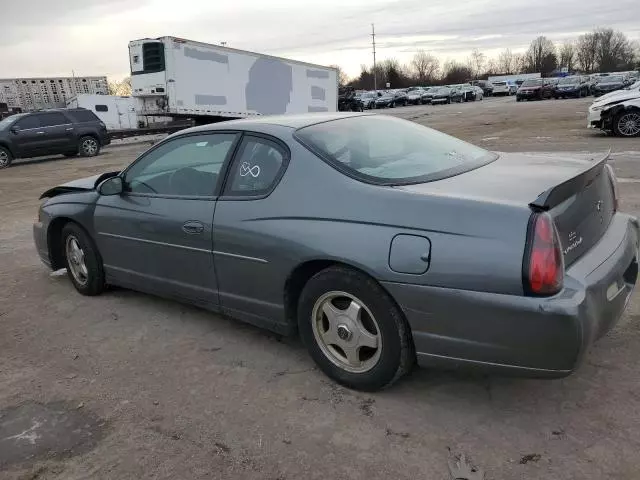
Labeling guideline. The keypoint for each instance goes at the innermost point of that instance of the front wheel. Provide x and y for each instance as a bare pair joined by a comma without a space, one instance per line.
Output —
89,146
5,158
353,330
83,261
627,123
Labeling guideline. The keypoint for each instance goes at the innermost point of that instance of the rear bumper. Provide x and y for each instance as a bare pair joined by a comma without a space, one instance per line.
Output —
526,336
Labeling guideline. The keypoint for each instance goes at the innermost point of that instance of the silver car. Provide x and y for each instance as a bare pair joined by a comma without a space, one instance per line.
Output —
380,241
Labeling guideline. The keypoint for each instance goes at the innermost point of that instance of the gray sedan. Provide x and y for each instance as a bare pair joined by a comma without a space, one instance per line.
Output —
380,241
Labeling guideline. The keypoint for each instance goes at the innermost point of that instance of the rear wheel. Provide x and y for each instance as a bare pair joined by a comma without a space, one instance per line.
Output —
89,146
353,330
627,123
5,157
84,264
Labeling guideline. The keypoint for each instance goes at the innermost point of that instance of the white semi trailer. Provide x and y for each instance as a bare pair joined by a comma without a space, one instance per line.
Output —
182,78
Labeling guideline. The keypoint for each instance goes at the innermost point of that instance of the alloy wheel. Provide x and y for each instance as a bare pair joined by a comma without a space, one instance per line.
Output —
629,124
76,261
4,159
89,146
346,332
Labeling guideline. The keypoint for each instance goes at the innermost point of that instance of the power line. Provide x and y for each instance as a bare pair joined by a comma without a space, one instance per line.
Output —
373,41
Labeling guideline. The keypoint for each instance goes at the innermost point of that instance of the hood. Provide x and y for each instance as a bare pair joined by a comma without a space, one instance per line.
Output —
81,185
567,85
608,84
514,178
618,95
533,87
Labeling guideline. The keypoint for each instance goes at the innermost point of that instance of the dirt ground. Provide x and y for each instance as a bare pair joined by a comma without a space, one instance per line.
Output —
128,386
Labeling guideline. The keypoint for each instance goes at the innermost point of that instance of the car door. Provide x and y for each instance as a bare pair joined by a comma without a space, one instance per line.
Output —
58,133
26,136
244,251
157,235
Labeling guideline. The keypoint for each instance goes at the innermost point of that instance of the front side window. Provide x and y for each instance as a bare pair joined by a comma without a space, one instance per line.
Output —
184,166
29,122
102,108
391,151
256,168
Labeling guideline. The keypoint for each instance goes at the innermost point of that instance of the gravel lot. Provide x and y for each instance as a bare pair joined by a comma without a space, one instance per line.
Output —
128,386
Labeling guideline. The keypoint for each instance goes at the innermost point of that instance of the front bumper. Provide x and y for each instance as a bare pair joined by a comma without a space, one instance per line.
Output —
40,240
572,92
440,100
527,336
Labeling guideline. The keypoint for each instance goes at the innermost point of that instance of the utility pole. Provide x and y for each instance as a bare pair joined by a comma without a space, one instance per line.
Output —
373,41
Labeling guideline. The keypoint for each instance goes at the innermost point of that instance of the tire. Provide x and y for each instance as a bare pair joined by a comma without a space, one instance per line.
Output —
88,146
5,158
379,316
627,123
89,280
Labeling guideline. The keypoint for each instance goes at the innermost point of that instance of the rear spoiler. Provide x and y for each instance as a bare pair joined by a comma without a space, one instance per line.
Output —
558,194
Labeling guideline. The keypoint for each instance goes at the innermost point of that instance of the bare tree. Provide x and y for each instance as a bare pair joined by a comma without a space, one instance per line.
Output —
614,51
507,61
121,88
492,67
541,56
567,55
343,78
425,66
476,62
586,50
520,63
454,72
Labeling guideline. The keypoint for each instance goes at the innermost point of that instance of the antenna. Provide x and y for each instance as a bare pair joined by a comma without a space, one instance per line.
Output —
373,42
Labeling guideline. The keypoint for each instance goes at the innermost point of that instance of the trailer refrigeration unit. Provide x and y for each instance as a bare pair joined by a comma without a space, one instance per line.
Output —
181,78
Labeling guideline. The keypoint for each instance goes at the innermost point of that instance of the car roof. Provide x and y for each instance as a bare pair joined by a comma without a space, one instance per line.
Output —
291,121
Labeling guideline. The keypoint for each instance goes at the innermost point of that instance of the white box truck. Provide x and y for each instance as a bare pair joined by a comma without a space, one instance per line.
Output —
182,78
116,112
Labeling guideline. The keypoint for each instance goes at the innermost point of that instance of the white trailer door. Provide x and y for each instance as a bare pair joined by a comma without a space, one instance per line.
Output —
127,117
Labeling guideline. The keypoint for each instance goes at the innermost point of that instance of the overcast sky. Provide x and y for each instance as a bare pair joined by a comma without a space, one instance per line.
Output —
90,37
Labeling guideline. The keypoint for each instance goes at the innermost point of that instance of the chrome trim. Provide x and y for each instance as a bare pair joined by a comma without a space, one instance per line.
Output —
153,242
241,257
165,244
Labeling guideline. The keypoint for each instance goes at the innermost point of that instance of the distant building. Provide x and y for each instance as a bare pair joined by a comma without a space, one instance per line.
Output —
29,94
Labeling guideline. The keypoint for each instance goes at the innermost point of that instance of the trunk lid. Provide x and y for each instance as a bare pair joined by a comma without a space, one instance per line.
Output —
577,193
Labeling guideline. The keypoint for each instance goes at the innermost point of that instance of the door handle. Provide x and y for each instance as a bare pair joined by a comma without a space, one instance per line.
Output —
69,129
40,133
193,228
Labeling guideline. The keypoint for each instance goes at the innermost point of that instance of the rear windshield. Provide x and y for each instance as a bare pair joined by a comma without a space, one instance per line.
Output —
391,151
81,116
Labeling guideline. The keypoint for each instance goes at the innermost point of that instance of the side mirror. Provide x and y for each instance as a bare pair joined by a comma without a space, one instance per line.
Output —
111,186
15,129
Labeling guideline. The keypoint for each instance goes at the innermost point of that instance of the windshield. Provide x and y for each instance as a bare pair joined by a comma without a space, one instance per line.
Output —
568,80
368,95
391,151
443,90
9,120
534,82
611,79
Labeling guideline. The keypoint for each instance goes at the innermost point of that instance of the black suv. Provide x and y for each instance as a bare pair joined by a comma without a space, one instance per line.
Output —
51,132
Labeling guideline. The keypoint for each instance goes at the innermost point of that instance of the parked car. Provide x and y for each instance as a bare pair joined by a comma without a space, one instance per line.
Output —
368,99
479,92
472,259
486,86
608,84
400,98
617,112
504,88
534,89
51,132
445,95
414,97
467,92
574,86
349,101
427,94
386,99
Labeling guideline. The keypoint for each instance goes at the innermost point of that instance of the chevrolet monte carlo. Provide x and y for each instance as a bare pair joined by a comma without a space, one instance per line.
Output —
380,241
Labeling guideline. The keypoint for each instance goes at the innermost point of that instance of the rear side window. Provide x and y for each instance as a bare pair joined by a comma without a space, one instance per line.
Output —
102,108
391,151
83,115
53,119
32,121
256,169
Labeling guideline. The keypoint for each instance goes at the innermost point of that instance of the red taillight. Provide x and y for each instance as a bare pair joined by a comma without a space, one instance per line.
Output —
544,264
614,186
